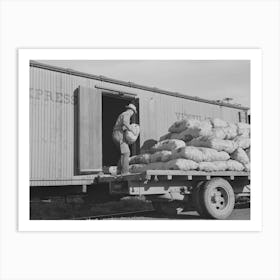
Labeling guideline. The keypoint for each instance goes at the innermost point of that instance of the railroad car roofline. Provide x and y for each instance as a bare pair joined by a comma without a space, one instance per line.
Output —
132,85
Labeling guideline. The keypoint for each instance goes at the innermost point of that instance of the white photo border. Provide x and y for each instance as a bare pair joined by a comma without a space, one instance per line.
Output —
255,222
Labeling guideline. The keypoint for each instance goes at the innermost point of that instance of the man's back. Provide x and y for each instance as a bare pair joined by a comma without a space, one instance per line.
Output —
123,121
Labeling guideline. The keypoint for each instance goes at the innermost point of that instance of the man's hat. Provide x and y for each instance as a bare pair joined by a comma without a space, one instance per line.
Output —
132,107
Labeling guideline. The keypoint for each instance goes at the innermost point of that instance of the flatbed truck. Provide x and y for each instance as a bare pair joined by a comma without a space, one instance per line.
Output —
211,194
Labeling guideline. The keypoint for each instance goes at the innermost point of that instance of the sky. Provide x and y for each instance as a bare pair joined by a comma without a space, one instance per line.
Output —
210,79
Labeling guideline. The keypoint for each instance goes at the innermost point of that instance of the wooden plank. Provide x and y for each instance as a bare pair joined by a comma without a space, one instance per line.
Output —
167,174
110,178
90,129
195,173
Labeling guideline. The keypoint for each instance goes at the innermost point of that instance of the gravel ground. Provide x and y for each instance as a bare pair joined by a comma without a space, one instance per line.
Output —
237,214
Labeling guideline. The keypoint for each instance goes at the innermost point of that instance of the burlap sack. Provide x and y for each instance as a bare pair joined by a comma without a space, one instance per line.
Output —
142,159
161,156
242,142
191,153
233,165
203,129
219,132
147,145
227,133
247,167
213,166
228,146
181,164
132,135
243,129
165,136
230,131
168,145
216,122
175,136
182,136
248,152
241,156
156,166
137,168
181,125
213,155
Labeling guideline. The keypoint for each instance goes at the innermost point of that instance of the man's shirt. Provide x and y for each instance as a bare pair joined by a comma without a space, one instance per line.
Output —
123,121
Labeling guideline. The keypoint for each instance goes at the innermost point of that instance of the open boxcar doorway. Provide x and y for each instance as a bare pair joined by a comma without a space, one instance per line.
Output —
112,106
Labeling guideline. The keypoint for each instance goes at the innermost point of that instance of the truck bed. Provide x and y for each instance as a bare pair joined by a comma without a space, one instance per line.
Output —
169,174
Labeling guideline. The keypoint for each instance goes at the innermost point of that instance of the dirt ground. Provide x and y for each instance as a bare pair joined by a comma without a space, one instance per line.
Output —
57,208
237,214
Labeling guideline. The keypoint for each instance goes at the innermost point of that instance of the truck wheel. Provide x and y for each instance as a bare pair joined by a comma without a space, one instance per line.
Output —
196,200
168,208
217,198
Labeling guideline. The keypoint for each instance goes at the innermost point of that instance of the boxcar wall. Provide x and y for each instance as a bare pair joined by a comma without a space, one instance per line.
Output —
52,127
66,122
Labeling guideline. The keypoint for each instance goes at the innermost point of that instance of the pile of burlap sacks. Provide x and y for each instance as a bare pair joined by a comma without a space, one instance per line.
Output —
209,145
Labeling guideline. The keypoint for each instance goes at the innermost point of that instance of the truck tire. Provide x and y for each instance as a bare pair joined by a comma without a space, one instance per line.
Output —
196,200
218,198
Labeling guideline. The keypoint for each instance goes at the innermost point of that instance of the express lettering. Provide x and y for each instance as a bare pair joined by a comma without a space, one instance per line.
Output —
183,115
55,97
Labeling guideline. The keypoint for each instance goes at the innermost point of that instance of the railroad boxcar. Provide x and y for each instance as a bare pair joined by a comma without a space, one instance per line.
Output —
72,115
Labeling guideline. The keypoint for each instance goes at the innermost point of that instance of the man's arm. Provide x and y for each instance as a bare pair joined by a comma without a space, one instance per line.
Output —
126,121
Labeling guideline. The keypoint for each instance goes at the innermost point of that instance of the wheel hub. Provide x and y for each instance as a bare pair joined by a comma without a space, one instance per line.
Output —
218,198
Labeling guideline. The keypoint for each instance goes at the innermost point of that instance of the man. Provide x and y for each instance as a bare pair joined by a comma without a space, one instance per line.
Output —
122,124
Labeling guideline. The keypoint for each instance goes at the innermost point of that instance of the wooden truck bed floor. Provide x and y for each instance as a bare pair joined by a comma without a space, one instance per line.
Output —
169,174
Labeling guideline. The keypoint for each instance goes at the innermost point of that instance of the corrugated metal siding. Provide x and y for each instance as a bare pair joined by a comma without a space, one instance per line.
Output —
51,112
52,104
158,112
56,182
52,124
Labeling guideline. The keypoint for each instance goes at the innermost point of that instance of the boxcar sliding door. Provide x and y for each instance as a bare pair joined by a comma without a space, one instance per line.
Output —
89,130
